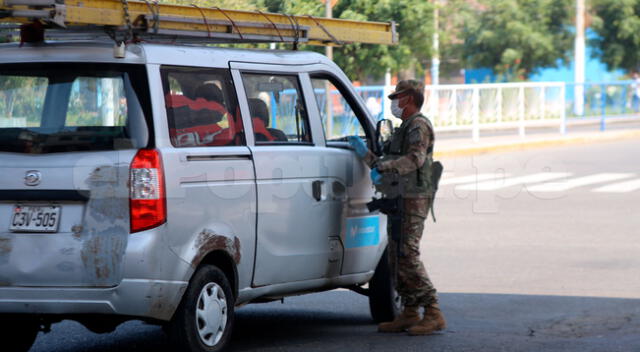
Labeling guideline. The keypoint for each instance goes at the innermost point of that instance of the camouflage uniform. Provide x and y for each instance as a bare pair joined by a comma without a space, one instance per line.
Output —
412,145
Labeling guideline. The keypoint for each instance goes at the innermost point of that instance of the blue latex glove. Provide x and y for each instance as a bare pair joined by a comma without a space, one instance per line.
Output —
358,146
376,176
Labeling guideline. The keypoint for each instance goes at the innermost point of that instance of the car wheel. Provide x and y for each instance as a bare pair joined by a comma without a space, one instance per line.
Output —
18,334
205,317
384,301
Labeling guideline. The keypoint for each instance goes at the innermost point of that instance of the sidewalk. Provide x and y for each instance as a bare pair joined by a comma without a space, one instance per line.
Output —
452,147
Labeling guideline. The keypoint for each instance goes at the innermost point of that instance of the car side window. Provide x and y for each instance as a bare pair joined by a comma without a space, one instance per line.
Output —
202,108
278,112
338,117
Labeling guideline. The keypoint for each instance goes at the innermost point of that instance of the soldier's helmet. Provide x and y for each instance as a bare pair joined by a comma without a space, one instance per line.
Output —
407,86
412,88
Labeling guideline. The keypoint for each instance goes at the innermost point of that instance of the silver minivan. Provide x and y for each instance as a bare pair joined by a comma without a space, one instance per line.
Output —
177,184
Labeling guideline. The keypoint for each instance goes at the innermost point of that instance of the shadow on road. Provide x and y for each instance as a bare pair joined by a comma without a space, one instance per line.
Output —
339,320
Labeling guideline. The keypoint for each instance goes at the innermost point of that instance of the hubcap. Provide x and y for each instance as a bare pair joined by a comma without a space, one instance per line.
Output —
211,314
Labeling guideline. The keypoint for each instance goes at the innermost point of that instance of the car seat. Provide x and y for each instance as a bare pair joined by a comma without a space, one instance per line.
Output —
260,116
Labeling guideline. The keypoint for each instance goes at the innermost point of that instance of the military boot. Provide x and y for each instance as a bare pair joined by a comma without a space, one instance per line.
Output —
405,320
432,321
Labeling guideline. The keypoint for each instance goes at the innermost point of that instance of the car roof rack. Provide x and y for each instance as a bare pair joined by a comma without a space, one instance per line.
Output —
133,21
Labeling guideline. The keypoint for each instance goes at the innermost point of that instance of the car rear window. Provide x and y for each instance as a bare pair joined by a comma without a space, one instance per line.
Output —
52,107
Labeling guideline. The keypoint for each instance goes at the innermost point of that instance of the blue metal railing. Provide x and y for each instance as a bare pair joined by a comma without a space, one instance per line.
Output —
620,99
601,100
344,122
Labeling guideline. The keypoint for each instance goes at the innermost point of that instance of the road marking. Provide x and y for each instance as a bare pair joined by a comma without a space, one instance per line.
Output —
471,178
577,182
621,187
513,181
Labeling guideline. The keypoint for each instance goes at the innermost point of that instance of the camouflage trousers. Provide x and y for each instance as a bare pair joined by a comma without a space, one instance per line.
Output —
412,282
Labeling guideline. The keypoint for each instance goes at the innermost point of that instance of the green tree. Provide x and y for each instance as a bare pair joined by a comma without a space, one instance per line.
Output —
617,23
414,19
224,4
453,15
517,37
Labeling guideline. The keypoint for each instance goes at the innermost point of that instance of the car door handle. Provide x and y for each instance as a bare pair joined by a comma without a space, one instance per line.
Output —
317,189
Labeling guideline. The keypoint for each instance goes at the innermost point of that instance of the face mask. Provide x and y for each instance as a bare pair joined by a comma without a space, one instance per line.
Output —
395,108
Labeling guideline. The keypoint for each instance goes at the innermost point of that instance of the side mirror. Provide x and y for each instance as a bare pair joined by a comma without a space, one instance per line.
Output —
384,130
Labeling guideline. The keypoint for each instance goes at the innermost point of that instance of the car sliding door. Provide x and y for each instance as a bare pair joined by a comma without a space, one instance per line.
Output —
209,172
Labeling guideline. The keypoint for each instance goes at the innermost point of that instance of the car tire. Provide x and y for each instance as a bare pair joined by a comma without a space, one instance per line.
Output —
384,301
18,334
204,319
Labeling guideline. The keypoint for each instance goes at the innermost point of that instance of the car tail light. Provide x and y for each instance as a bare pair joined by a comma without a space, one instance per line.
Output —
147,202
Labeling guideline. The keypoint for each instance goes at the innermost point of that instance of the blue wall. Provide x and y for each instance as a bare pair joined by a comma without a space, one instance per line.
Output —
595,71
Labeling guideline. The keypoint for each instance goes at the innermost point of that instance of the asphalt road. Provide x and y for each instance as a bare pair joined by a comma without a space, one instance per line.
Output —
519,267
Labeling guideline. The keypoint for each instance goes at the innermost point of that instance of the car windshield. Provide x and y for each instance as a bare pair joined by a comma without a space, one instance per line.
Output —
52,107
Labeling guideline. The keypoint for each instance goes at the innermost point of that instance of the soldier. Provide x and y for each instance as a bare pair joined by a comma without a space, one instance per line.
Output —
408,158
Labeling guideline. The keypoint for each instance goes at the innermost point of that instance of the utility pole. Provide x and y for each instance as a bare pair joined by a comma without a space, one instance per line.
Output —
328,106
328,13
579,59
435,60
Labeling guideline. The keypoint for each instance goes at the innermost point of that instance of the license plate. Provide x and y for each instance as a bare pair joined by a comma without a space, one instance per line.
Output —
35,218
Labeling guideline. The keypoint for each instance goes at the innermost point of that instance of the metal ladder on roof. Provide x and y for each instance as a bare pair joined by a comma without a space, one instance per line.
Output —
126,21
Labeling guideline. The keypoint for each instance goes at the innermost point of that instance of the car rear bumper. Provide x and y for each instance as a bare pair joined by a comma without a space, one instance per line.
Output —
140,298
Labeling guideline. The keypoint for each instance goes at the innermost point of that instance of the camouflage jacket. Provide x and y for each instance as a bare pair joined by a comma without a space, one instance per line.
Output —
409,155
